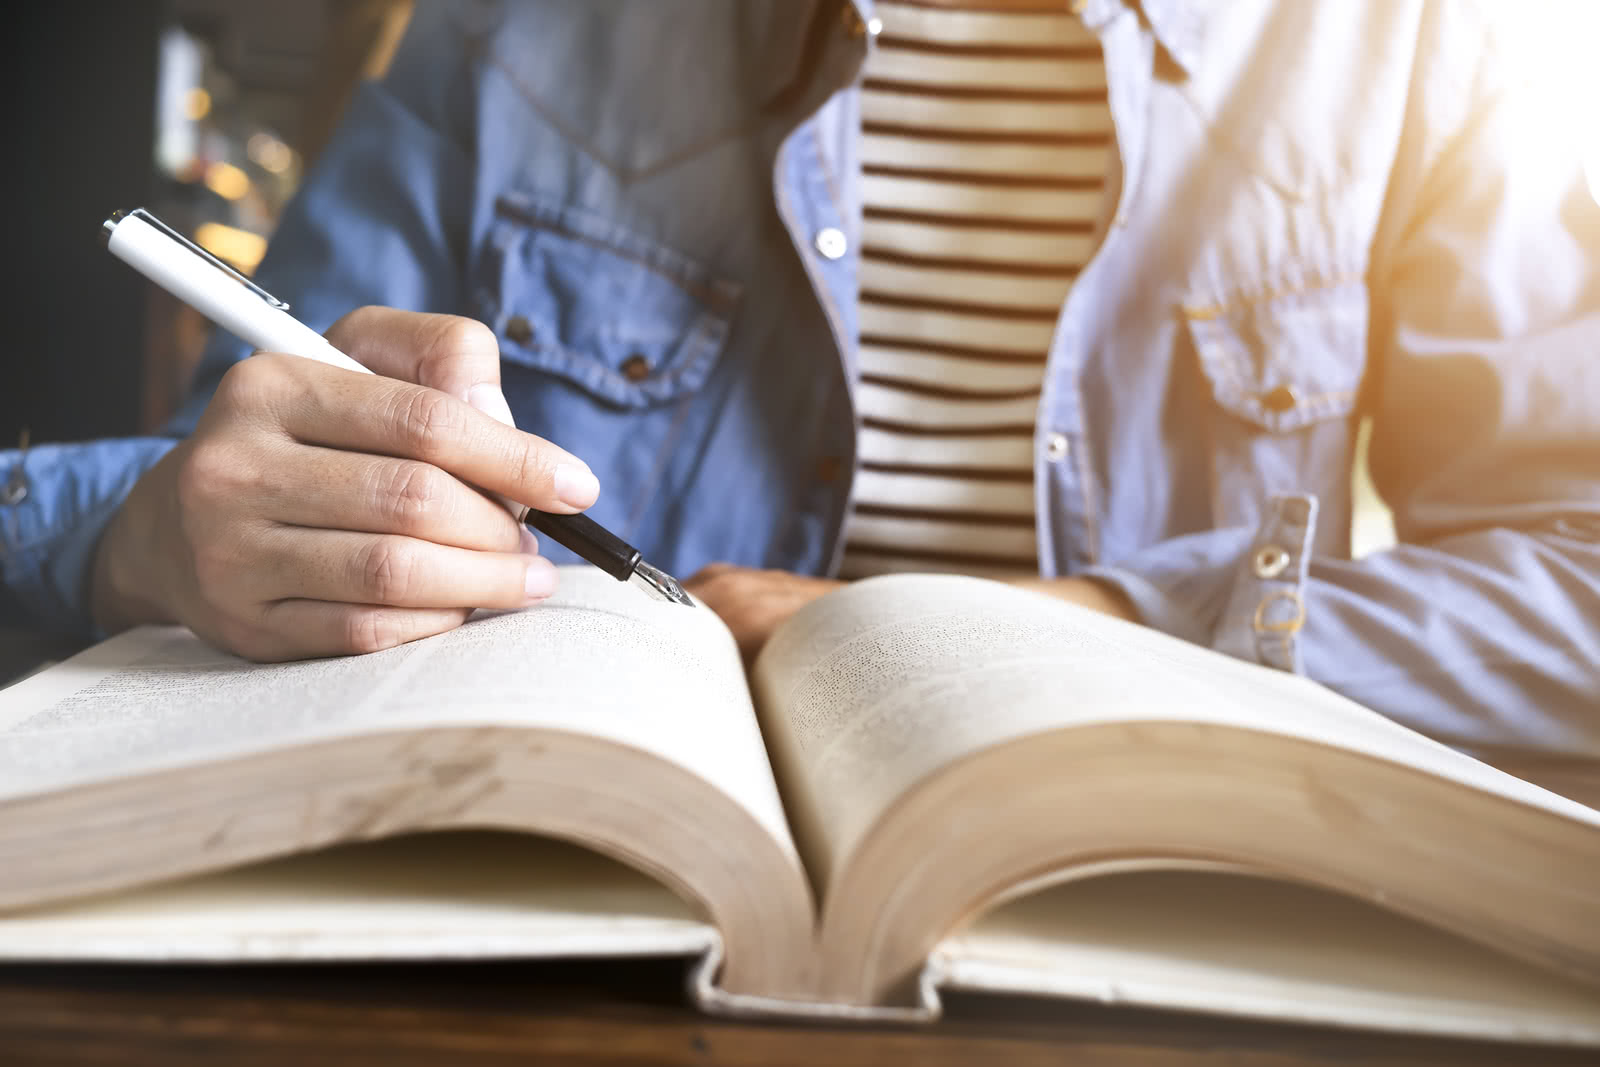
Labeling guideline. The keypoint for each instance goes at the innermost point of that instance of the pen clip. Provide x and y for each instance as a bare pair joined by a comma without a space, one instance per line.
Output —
144,215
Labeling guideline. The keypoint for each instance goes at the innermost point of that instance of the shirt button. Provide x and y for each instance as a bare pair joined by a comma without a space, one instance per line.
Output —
1282,399
1270,561
831,243
853,24
828,469
519,329
636,368
15,491
1055,447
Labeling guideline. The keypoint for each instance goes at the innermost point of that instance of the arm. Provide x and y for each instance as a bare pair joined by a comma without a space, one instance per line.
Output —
1482,626
312,510
354,198
48,537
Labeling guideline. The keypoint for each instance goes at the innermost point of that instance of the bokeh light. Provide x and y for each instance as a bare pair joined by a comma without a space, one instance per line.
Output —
196,104
227,180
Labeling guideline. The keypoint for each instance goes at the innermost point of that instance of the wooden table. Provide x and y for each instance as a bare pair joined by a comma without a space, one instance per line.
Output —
474,1015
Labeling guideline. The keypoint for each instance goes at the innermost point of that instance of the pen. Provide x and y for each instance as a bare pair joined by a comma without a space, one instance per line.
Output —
260,319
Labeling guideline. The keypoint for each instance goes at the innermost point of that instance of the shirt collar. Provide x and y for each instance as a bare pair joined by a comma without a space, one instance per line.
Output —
1174,23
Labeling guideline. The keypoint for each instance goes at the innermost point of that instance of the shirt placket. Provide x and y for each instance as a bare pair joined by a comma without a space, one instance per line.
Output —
1266,608
1066,500
816,189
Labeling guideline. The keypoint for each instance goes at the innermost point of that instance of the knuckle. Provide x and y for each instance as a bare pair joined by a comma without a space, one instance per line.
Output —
429,420
456,338
368,630
530,464
414,493
358,321
386,571
249,383
241,639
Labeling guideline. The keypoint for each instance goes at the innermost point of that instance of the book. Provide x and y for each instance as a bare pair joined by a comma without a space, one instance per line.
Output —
924,783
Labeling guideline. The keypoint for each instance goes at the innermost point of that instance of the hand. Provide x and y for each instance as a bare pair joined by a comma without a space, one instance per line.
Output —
754,602
317,511
1085,592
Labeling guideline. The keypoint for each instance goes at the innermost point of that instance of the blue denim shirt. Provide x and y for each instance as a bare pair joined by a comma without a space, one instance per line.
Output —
1320,212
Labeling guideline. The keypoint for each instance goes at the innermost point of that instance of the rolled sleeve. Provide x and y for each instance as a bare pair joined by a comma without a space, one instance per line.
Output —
61,500
1181,586
1237,590
1481,627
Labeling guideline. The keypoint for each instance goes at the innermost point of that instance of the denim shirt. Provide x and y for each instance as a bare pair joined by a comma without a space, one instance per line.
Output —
1320,212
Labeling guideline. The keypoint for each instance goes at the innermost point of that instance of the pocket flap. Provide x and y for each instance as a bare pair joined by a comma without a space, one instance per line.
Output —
1285,360
582,297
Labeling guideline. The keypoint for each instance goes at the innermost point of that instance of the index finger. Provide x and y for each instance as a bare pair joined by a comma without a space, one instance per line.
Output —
366,413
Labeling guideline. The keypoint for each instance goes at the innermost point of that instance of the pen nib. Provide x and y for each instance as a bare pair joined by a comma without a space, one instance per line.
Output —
659,584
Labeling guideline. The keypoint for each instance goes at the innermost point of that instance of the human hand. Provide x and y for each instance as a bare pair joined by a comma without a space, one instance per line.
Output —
1085,592
318,511
754,602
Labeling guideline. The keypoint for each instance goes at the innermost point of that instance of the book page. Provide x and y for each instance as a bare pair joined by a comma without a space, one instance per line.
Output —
868,690
597,658
464,893
1206,940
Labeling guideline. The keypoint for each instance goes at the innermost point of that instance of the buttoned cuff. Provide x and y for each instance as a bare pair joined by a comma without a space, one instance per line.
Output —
1267,608
56,504
1180,586
1238,591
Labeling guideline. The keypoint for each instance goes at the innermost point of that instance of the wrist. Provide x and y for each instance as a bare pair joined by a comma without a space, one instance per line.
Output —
117,597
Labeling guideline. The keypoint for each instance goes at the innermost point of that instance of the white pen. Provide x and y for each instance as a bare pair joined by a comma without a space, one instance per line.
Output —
260,319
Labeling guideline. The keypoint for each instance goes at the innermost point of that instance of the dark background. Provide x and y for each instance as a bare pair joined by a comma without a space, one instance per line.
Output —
80,130
89,344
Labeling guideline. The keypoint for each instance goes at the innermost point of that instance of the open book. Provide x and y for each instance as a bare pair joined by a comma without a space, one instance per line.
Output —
927,783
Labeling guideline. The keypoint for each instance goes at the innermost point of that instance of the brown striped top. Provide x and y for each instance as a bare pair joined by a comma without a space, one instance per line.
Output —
986,137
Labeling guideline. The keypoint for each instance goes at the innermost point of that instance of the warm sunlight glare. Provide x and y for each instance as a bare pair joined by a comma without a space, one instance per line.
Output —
1551,43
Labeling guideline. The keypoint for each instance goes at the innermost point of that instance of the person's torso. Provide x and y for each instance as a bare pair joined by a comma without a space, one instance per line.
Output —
667,231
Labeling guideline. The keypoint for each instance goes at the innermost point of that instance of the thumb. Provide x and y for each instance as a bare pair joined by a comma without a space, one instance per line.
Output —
451,353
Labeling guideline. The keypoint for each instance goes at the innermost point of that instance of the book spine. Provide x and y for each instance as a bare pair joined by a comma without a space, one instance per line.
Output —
711,998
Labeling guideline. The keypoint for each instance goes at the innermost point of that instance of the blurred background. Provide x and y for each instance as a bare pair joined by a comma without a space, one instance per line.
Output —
209,112
205,111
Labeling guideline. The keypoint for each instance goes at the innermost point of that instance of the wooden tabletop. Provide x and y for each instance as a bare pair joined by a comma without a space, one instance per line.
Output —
474,1015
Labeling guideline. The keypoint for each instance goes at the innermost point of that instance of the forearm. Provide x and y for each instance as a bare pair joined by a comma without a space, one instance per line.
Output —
1485,640
1488,640
48,536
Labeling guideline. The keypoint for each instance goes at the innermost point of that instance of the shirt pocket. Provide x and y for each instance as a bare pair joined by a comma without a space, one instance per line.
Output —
581,298
1284,370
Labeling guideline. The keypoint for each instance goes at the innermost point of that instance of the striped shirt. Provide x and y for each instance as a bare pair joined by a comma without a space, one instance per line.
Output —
985,141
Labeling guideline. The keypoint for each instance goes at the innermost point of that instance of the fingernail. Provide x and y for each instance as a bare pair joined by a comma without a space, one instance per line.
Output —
576,486
540,580
530,543
487,398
